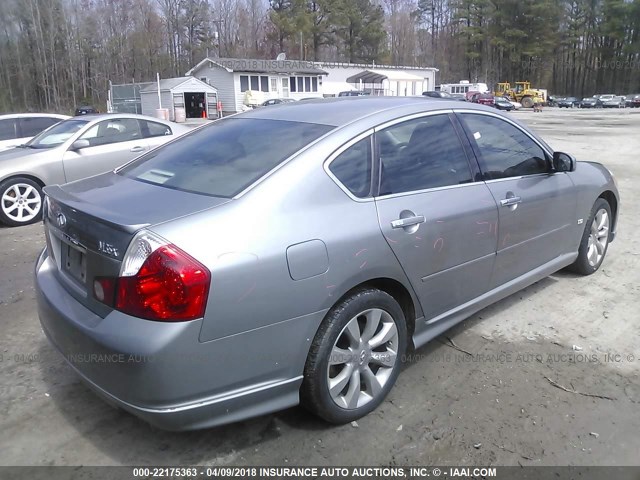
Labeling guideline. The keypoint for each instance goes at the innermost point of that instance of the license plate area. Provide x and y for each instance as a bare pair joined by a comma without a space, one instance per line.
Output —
74,262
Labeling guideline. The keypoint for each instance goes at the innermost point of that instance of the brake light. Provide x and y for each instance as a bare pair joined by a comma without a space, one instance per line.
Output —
158,281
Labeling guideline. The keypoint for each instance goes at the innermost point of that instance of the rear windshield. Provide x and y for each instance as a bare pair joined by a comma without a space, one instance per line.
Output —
225,157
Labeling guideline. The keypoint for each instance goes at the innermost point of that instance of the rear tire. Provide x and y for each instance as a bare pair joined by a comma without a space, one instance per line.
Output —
595,239
20,202
355,357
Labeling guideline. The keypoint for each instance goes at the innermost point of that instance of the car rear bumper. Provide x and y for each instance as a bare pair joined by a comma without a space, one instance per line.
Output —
160,371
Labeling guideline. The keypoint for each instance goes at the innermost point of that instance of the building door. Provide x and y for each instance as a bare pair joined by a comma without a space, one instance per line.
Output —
285,87
274,87
195,105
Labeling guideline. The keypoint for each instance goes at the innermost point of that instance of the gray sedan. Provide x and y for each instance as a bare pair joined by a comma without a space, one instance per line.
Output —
70,150
293,254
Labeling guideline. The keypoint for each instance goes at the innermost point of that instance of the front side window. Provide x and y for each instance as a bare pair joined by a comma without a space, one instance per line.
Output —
113,131
225,157
419,154
353,168
505,150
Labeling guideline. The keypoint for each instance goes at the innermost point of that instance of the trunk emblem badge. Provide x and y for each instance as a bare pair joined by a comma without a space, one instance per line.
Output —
107,248
61,220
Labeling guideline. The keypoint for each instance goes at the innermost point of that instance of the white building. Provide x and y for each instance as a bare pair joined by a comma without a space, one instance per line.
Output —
197,98
376,79
298,79
265,79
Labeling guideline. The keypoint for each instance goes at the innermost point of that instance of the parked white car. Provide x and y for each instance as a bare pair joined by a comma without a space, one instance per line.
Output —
19,128
75,148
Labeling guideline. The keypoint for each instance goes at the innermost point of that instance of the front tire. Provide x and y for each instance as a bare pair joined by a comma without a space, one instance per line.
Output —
20,201
595,239
355,357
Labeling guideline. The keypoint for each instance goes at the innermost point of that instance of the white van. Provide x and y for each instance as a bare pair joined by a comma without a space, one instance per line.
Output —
16,129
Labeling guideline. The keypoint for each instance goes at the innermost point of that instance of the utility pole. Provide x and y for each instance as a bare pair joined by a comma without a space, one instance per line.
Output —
217,23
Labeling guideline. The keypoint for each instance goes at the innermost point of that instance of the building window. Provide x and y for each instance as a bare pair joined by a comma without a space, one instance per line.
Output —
205,80
304,84
258,83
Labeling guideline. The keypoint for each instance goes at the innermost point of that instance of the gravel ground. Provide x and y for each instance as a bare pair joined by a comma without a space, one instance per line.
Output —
553,378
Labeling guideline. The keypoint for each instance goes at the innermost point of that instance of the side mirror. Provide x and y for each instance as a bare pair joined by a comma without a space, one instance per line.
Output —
80,144
563,162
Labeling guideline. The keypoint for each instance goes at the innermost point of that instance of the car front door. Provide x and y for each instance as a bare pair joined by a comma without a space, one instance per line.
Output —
537,206
439,222
111,143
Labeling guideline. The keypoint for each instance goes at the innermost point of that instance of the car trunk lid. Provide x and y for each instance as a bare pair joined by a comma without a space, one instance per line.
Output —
89,225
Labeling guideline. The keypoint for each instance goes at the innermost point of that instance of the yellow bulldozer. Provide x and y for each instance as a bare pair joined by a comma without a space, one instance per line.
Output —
522,93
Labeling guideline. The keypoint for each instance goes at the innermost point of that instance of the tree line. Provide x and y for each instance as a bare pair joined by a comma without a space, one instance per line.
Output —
57,54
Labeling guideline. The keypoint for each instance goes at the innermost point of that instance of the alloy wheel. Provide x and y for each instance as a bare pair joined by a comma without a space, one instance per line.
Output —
598,237
21,202
362,358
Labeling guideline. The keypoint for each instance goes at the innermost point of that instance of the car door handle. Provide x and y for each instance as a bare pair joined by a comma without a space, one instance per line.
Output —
137,149
506,202
407,222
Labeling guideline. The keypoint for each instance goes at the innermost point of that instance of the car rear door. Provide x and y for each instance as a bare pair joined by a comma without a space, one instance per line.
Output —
537,206
112,143
440,224
155,133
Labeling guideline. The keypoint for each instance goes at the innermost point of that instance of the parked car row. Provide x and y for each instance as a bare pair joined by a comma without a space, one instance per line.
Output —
598,101
501,103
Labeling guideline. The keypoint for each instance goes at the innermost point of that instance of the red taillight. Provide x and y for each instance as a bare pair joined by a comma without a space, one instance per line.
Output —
170,286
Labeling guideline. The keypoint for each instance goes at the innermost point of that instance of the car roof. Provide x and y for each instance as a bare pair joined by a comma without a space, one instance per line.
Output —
341,111
94,117
27,115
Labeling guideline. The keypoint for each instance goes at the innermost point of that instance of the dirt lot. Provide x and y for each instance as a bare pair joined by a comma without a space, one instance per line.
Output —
507,404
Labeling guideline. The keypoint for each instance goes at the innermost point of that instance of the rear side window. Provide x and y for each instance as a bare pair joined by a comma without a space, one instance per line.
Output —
225,157
504,149
154,129
30,127
7,129
420,154
353,168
